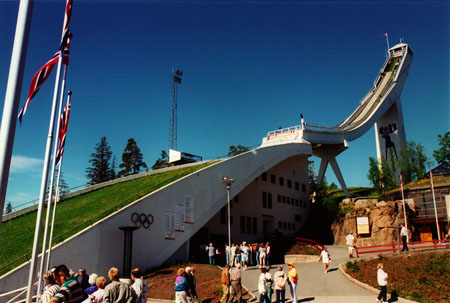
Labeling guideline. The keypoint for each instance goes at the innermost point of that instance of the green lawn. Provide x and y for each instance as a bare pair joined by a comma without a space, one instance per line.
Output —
75,214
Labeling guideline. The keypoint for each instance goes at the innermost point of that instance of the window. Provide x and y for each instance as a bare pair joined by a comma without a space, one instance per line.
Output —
296,202
298,218
255,226
249,225
289,226
289,183
264,176
279,198
269,200
284,199
284,225
242,226
304,188
293,226
296,186
264,199
288,200
280,225
273,179
281,181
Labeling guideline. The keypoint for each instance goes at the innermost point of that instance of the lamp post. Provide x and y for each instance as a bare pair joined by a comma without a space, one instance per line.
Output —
227,183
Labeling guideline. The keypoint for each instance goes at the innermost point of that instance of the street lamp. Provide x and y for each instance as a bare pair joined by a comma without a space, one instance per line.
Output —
227,183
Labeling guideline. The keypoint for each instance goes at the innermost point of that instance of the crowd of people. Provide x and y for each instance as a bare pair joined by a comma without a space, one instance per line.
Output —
255,254
62,285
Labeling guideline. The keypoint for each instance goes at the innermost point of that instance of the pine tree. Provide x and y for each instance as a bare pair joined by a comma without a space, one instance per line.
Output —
132,159
442,155
161,162
100,170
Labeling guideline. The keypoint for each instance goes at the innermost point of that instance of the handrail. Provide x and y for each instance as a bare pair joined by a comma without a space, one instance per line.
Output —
311,243
22,290
394,246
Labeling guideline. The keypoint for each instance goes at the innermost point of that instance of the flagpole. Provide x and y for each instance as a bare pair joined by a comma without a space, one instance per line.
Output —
404,209
50,189
387,41
37,232
435,210
50,240
12,97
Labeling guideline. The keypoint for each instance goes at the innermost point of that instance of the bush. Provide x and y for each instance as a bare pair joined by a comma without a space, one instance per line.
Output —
352,266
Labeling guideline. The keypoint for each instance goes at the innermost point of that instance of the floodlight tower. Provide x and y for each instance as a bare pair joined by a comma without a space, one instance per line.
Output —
173,113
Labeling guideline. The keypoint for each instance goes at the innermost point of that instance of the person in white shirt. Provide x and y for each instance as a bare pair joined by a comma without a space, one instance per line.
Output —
139,286
382,281
244,254
350,241
404,235
262,287
325,256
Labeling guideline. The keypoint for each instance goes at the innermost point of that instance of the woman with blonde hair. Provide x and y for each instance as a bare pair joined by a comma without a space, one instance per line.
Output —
97,296
181,286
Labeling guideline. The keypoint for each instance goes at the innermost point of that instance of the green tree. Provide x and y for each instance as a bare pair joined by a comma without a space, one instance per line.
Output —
382,175
100,170
161,162
413,162
374,174
132,159
8,208
236,150
442,155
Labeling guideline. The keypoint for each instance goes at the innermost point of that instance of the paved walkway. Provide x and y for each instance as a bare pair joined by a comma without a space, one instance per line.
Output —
316,286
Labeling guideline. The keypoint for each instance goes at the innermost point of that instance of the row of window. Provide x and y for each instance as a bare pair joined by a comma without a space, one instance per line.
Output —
286,226
292,201
267,200
273,180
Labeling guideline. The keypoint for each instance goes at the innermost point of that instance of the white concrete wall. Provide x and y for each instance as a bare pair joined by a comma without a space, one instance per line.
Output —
250,203
100,246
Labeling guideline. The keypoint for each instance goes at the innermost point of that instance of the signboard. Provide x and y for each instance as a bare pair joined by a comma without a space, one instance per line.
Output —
362,225
170,225
179,217
174,155
189,210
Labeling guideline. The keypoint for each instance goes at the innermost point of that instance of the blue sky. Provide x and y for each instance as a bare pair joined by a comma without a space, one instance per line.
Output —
249,67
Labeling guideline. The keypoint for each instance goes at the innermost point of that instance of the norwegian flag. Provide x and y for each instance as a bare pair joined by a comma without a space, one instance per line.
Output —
37,81
42,74
63,123
67,16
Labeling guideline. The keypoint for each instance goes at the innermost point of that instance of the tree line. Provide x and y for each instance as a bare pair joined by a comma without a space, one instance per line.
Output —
103,163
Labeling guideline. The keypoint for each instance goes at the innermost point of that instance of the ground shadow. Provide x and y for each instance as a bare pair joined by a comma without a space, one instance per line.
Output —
394,296
332,269
306,299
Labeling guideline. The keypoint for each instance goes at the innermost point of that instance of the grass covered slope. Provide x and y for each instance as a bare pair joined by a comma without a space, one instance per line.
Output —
77,213
418,276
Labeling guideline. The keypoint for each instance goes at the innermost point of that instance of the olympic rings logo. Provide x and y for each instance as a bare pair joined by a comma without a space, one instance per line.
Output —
142,220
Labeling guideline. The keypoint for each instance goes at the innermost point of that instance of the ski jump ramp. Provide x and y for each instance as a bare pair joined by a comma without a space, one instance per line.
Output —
195,200
380,107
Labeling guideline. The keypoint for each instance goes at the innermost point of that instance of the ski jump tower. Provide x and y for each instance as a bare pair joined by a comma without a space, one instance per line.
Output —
380,107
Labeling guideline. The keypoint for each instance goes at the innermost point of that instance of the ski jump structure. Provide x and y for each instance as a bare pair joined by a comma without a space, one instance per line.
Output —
380,107
181,209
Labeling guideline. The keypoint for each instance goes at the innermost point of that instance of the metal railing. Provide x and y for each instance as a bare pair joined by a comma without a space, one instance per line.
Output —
310,243
395,246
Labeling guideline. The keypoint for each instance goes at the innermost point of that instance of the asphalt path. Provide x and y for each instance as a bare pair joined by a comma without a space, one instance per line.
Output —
314,285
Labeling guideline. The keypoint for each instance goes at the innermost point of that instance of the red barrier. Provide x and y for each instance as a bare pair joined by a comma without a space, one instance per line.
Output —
310,243
392,247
